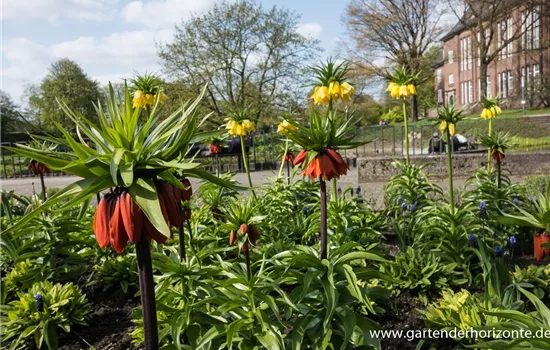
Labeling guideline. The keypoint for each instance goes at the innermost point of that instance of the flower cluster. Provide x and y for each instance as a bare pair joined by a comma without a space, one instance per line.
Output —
215,147
449,117
143,99
118,219
326,164
323,94
285,126
491,112
37,168
402,83
289,157
147,90
240,128
253,235
331,85
541,238
398,91
490,108
451,126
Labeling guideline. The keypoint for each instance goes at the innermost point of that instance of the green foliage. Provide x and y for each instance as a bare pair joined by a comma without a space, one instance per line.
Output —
463,311
536,276
23,274
394,115
67,82
225,36
421,273
64,305
411,186
116,272
537,213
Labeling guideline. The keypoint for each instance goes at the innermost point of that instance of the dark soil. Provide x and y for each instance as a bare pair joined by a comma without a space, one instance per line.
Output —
109,325
402,315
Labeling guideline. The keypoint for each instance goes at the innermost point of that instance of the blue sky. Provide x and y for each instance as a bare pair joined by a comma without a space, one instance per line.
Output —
112,38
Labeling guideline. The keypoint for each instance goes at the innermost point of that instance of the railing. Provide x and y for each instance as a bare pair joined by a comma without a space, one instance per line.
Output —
266,149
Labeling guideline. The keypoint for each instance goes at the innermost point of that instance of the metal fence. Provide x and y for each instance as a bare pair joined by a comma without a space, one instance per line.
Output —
266,149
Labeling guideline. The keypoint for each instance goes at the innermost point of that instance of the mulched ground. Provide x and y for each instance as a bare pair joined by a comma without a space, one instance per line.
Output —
109,325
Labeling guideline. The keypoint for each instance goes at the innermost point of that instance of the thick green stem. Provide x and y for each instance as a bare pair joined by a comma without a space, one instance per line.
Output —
407,160
499,181
283,160
323,186
489,150
450,171
182,237
245,162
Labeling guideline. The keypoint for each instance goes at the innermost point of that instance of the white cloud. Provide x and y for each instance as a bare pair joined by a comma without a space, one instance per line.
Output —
111,57
163,13
53,10
310,30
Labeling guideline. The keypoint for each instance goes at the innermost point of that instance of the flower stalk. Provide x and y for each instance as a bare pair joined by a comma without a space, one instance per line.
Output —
407,160
147,292
323,188
245,162
450,170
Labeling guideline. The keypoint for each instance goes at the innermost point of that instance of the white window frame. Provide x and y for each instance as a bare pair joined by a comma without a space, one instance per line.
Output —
451,79
450,56
510,83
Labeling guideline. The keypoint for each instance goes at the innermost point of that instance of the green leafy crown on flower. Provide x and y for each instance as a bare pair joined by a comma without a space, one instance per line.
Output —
401,76
500,141
239,114
449,114
326,73
321,132
148,83
490,102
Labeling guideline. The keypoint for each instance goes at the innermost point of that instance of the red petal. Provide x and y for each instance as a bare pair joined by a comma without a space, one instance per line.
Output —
118,236
301,157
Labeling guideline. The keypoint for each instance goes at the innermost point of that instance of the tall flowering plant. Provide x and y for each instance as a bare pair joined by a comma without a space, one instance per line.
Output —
137,161
449,117
497,145
320,138
490,111
402,85
146,90
240,123
330,86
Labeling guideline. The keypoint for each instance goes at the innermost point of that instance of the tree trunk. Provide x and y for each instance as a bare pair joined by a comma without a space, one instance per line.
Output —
414,108
483,80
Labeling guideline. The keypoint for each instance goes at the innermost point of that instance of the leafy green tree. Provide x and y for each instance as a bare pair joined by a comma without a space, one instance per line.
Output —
9,115
67,82
249,56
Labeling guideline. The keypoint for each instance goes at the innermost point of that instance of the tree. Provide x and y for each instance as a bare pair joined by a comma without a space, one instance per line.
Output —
495,29
399,32
248,55
9,115
67,82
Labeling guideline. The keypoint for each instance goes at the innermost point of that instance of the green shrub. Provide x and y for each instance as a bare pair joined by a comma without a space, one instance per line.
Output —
40,311
537,276
114,272
23,275
421,273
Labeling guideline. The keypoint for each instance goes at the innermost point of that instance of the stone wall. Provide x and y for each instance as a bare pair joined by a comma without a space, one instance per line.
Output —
377,169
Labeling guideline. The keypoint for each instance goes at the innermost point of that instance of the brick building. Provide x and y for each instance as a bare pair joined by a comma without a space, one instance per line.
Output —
513,75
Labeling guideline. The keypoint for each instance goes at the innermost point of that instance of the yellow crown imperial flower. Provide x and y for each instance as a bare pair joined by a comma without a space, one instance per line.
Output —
321,95
139,99
403,91
149,99
334,90
248,125
443,126
285,126
390,87
452,129
346,90
162,97
411,89
394,91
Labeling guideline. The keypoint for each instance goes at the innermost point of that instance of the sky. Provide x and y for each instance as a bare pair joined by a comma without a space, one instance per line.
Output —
110,39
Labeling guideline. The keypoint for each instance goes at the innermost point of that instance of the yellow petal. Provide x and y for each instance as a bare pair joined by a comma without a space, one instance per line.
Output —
347,88
411,89
334,89
395,91
322,96
403,91
452,129
443,126
314,96
390,87
499,111
484,113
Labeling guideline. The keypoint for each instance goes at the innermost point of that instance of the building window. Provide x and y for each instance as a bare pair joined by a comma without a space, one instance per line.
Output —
505,83
451,79
439,76
489,87
470,92
488,92
530,28
466,53
504,33
439,96
450,56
